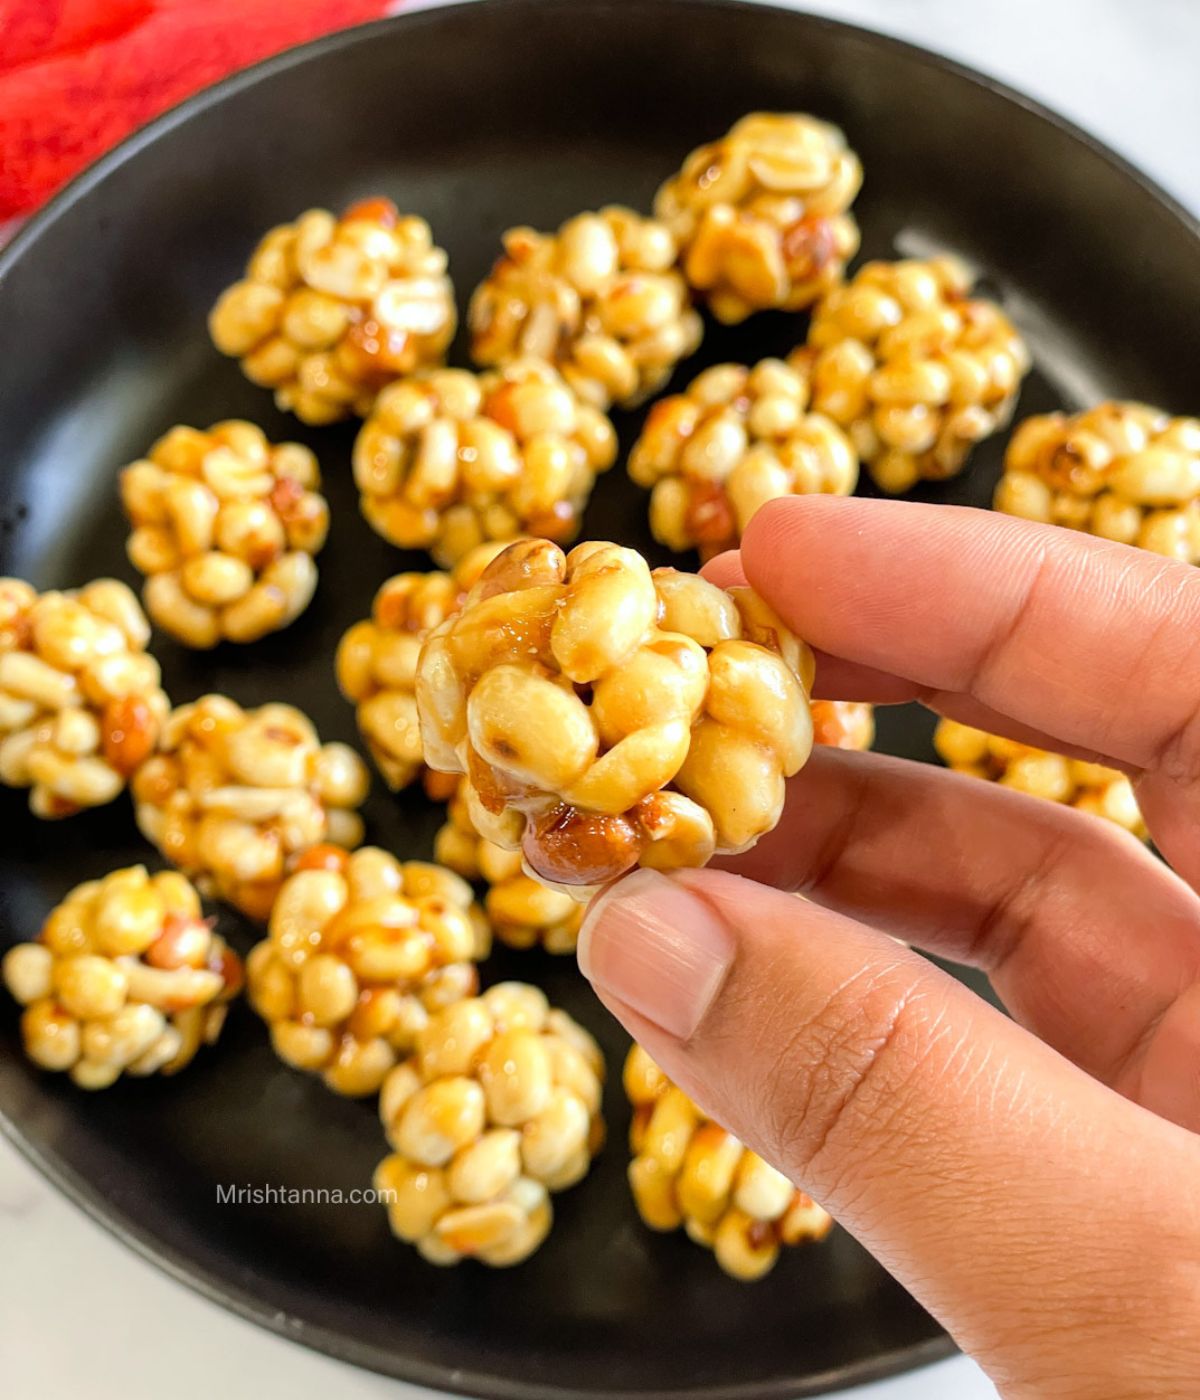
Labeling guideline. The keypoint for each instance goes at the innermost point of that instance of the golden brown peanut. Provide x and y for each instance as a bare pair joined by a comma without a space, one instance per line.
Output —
1124,471
1090,787
735,439
126,976
362,949
605,716
687,1171
449,460
600,299
498,1107
762,215
915,369
225,525
332,309
81,704
233,795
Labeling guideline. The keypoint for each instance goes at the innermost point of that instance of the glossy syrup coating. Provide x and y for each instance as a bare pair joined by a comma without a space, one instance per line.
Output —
127,976
1123,471
333,307
362,949
523,911
607,717
81,700
688,1172
497,1108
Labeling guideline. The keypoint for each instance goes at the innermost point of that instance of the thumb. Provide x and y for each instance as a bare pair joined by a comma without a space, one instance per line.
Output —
999,1183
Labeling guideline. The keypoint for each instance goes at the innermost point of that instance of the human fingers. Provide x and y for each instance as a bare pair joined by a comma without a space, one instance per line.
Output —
1039,896
999,1183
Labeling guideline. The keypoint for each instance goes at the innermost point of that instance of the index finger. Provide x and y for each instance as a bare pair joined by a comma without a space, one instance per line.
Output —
1091,642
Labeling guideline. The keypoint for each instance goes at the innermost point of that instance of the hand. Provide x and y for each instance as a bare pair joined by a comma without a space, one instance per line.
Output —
1036,1184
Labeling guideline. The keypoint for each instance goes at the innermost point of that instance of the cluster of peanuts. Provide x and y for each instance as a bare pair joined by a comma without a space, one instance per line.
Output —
1088,787
362,951
1123,471
498,1107
126,977
231,795
376,665
81,704
601,300
762,215
523,912
449,459
914,368
688,1171
331,309
225,527
696,711
737,438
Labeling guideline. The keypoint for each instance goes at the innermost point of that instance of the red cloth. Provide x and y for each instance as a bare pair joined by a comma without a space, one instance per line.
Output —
78,75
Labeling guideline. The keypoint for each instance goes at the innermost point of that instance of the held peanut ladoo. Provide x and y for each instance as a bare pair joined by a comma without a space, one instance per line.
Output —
607,717
81,704
126,977
498,1107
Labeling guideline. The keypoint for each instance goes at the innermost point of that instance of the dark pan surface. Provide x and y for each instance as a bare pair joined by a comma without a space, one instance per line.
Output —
479,118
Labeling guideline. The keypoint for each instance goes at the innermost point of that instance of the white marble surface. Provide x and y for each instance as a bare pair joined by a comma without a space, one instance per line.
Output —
1125,71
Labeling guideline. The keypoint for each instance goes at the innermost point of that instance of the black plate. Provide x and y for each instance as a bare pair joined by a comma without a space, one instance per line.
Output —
479,118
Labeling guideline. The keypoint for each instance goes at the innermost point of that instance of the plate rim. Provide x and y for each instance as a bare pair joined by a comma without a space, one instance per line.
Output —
74,1186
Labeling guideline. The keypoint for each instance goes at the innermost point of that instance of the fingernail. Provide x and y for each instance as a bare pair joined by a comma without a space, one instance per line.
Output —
658,948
